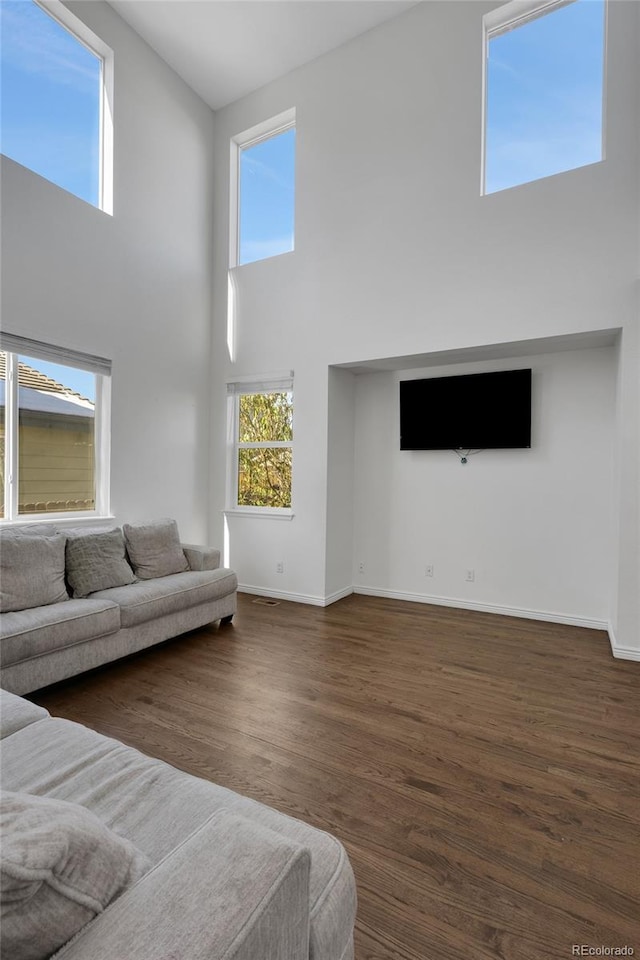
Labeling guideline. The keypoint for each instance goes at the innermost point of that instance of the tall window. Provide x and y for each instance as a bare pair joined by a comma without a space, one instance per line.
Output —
263,190
56,79
544,80
53,432
261,445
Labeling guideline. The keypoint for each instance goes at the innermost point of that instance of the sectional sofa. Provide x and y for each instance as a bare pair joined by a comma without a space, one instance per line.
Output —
71,600
199,872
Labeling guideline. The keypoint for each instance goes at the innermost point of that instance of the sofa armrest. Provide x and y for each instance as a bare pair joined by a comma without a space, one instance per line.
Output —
234,890
201,558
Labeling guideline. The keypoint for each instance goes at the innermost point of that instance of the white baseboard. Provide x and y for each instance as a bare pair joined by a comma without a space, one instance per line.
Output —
338,595
296,597
621,653
545,615
626,653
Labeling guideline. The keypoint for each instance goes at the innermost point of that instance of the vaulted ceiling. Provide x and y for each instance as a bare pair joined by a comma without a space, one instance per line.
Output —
225,49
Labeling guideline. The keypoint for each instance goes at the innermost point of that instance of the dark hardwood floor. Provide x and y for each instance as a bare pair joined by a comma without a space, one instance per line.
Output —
482,771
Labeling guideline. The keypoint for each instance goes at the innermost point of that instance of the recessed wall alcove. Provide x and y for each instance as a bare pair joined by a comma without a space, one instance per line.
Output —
536,526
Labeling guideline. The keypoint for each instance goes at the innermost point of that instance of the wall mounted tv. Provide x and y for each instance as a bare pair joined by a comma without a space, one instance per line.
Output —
477,411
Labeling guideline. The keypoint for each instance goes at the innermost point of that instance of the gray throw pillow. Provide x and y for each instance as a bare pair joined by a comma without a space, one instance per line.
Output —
60,866
97,561
31,571
154,549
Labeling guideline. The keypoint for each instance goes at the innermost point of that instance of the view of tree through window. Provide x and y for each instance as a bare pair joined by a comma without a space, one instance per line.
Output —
265,434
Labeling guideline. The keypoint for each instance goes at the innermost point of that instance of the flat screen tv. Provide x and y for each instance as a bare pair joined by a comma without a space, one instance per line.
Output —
477,411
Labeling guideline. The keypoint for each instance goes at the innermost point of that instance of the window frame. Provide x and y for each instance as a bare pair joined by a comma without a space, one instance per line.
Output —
510,16
87,38
249,138
235,390
13,347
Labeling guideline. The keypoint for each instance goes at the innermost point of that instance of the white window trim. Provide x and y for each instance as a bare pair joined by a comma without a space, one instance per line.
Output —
261,131
275,383
15,346
57,10
517,13
508,17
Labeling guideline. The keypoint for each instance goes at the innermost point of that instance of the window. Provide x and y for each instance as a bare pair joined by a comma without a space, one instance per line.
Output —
263,190
56,82
544,82
261,446
53,431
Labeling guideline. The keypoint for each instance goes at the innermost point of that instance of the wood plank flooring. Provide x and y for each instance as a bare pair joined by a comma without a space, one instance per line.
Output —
482,771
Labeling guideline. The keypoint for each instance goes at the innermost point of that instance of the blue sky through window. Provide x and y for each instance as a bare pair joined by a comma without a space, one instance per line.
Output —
545,96
81,381
544,113
50,101
267,184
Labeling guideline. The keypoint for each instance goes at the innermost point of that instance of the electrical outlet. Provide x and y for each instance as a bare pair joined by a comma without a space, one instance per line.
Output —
428,570
470,576
361,567
279,567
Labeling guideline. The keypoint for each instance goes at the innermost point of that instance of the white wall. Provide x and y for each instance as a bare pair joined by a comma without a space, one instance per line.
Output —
625,596
397,253
257,546
625,612
342,490
135,287
535,525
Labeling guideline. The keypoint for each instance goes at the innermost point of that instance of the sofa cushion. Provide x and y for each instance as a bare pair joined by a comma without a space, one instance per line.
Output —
157,807
16,713
60,866
149,599
232,890
32,530
31,571
154,549
97,561
30,633
201,558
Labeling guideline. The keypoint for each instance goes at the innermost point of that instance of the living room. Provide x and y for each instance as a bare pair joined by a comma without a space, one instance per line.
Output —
402,268
463,286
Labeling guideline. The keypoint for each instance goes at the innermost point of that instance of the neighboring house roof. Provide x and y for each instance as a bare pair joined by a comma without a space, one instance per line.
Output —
40,393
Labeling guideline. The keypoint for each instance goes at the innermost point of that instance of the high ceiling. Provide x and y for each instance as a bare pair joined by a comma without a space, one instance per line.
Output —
225,49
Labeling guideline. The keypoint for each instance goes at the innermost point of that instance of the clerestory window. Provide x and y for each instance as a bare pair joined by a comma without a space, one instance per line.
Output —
544,90
263,191
56,82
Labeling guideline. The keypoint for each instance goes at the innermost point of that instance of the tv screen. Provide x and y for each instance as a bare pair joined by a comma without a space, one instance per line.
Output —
477,411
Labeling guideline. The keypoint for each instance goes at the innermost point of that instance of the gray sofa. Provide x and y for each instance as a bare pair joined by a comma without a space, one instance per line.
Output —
226,877
51,641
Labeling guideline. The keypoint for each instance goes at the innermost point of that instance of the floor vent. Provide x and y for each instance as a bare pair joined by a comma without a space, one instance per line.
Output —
265,602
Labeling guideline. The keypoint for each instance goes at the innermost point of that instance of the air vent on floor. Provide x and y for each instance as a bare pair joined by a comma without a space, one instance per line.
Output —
265,602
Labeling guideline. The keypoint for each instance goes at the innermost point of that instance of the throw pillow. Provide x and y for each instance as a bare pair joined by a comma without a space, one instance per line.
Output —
154,549
97,561
31,571
60,866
